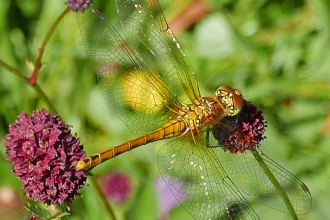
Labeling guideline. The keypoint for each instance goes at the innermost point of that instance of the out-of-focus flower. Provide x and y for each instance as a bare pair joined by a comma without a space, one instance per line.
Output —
78,5
165,197
242,132
11,204
117,187
33,217
44,153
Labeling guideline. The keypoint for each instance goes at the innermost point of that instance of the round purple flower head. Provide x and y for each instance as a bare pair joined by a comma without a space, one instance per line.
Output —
117,187
78,5
242,132
44,153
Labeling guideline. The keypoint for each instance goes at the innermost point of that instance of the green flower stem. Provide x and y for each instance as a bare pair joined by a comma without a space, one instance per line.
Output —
35,86
104,200
13,70
34,77
276,184
43,96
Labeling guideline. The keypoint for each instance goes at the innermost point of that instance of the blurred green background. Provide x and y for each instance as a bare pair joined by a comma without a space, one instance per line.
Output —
276,52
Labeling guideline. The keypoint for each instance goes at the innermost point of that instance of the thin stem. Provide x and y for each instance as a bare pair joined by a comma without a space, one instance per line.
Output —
33,79
35,86
104,200
43,96
276,184
13,70
34,76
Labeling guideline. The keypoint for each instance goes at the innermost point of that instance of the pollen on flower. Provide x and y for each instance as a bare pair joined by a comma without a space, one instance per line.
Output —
242,132
78,5
44,153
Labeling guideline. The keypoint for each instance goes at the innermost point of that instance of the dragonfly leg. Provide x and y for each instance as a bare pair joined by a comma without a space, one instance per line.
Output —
207,137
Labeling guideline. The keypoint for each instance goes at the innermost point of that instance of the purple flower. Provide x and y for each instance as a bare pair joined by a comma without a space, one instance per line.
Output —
44,153
78,5
241,132
167,201
33,217
117,187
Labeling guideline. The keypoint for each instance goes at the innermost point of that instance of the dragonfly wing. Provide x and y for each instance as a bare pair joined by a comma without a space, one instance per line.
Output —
143,22
244,170
133,91
208,192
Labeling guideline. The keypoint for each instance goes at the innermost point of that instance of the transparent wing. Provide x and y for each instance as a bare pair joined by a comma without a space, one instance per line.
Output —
246,173
143,21
208,192
136,93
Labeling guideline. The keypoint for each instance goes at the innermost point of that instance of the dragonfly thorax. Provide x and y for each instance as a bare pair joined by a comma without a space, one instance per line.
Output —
203,112
210,110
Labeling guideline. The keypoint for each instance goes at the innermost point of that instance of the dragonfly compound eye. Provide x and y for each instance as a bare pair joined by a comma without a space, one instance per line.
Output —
230,99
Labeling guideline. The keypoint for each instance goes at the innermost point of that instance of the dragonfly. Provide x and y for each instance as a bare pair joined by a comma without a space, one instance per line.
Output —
149,83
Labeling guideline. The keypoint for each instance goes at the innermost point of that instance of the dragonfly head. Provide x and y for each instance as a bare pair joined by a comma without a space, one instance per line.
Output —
230,99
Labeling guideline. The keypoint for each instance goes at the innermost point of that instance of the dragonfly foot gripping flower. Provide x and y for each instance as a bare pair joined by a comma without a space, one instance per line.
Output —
43,152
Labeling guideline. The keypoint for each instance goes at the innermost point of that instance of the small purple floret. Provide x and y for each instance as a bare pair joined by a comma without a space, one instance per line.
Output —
78,5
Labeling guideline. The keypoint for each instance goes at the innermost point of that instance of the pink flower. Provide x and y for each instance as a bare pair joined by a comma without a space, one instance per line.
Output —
33,217
117,187
78,5
241,132
44,153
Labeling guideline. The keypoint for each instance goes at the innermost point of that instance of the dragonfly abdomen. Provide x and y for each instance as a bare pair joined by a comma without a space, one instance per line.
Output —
173,128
